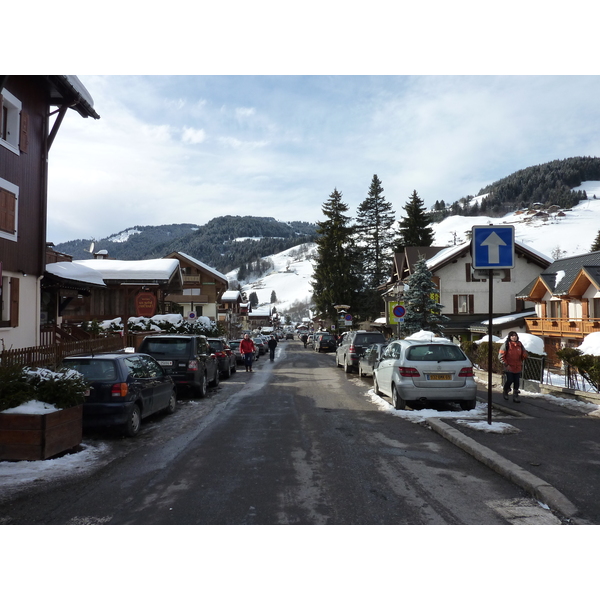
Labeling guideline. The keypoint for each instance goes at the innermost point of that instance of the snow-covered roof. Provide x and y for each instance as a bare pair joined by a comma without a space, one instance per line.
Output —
75,272
203,265
231,295
156,269
509,318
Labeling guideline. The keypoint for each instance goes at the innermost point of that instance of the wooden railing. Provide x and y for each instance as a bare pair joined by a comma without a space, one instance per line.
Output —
52,355
576,328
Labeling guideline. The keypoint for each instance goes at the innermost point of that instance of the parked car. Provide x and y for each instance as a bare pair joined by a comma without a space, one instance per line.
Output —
225,358
289,336
369,359
124,389
187,358
324,342
260,344
353,345
429,371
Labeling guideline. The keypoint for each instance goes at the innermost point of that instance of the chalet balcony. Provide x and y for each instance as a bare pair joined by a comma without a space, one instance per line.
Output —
574,328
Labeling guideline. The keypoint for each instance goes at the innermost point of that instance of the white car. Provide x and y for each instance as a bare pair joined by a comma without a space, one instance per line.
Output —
431,371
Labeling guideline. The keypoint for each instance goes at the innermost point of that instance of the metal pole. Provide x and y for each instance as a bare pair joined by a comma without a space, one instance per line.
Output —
491,313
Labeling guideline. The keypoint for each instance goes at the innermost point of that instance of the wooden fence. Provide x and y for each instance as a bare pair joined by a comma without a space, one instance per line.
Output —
52,356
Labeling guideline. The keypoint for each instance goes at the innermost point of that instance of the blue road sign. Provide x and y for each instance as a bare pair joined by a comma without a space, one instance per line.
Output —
493,247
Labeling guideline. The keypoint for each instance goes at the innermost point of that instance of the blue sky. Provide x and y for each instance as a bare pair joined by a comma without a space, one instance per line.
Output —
173,149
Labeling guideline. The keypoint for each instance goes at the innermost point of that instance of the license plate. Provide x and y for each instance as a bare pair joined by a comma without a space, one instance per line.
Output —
439,376
165,363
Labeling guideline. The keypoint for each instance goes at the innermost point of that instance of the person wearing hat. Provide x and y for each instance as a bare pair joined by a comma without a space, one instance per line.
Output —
511,355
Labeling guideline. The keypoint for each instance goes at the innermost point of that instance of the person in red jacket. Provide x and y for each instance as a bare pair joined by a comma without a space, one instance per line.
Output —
248,349
512,354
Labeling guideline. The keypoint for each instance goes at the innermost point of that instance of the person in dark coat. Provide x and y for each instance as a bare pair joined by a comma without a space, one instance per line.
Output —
272,343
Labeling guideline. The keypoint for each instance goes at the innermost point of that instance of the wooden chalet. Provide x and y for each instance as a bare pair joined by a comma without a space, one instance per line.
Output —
32,109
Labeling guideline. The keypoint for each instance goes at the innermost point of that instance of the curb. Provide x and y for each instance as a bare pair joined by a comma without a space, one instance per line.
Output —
538,488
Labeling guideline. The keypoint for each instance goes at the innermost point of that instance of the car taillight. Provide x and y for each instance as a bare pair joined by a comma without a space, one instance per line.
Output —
220,354
119,390
352,349
466,372
192,365
408,372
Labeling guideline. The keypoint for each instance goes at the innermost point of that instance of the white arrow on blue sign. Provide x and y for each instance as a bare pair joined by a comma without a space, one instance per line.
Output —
493,247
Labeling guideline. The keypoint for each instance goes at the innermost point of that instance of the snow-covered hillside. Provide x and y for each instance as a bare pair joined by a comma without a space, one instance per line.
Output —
570,235
289,278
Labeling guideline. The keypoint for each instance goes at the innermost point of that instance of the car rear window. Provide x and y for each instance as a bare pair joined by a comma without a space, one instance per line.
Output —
366,339
169,347
435,352
94,369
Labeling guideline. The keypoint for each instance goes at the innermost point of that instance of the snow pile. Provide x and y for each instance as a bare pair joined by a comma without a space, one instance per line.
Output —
428,336
531,343
591,344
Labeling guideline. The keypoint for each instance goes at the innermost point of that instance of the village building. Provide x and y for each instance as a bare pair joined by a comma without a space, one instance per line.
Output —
202,290
463,294
32,109
566,297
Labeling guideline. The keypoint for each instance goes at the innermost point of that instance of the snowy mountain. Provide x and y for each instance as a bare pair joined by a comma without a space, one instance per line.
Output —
568,233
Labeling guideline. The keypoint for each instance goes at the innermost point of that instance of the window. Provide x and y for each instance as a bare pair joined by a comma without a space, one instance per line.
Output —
9,202
555,309
463,303
9,312
13,123
596,308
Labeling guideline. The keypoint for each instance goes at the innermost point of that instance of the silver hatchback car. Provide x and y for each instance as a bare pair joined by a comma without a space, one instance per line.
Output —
433,371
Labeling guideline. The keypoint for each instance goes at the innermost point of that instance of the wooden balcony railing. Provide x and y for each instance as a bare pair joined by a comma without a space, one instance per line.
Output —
575,328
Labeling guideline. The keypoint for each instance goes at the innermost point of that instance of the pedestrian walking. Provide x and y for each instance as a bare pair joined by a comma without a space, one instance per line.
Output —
272,343
304,339
248,350
511,355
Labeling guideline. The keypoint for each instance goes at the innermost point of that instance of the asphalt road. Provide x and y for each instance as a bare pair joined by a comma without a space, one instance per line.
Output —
294,442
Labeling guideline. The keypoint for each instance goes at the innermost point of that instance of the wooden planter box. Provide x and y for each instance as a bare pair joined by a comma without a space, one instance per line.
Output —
36,437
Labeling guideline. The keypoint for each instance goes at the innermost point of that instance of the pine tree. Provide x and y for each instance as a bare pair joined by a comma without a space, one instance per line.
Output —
422,310
415,228
253,299
273,297
335,277
596,245
375,236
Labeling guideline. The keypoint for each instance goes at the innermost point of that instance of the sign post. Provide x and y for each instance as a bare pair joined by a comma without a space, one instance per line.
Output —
492,248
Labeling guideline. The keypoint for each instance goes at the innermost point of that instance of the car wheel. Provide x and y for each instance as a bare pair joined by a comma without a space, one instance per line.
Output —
376,385
347,367
134,421
468,404
227,372
172,403
397,401
234,367
201,388
215,381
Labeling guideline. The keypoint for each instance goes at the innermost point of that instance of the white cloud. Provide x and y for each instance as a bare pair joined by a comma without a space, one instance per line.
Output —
193,136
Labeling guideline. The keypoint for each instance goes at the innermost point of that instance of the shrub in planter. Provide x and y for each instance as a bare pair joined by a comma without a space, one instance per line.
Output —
63,388
15,388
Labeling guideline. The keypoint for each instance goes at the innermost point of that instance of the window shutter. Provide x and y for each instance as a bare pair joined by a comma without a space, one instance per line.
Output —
468,272
14,301
455,304
471,304
8,205
24,138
